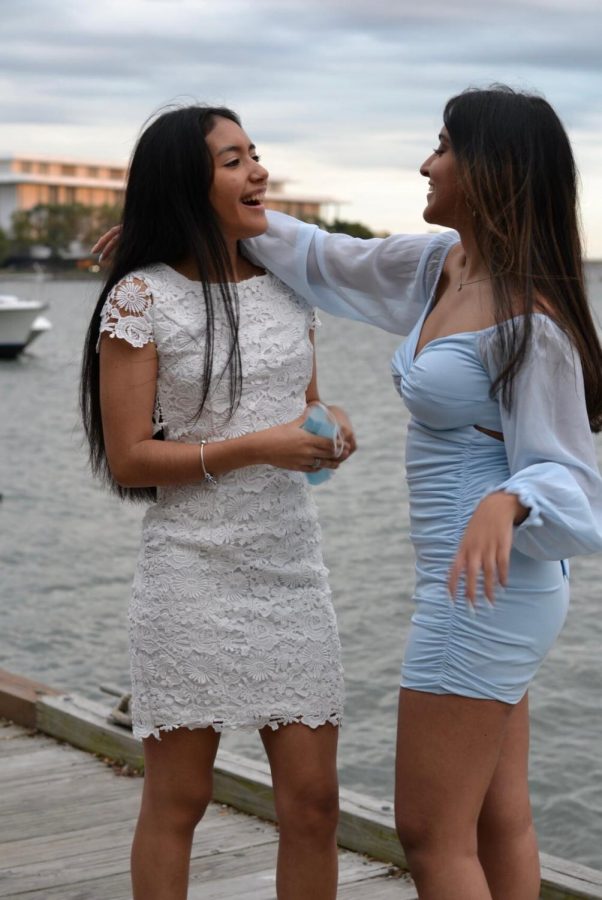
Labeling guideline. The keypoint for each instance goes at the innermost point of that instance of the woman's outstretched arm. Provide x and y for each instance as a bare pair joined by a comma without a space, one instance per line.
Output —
382,281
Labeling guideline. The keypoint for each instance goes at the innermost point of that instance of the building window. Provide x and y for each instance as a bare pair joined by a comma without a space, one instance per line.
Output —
53,193
69,195
68,170
43,168
116,174
93,172
26,165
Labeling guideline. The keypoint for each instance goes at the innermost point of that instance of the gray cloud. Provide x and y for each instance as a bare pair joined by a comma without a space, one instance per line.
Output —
345,80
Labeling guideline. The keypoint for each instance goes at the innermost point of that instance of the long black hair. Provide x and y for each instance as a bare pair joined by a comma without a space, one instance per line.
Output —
167,217
518,174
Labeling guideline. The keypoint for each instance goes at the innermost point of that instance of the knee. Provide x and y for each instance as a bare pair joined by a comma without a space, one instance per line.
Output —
499,823
178,809
310,811
427,842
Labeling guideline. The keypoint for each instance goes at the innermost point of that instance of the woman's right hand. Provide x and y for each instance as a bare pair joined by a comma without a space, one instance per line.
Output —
106,244
291,447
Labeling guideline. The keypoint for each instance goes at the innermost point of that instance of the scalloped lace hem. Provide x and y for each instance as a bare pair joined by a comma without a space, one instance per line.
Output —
273,722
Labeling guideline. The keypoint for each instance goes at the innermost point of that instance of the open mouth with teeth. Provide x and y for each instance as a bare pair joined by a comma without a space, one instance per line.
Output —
253,200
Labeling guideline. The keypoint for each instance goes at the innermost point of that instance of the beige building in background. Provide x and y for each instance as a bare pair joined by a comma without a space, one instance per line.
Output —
26,181
323,208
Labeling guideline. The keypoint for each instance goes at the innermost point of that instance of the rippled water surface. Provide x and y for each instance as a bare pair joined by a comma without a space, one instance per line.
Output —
67,552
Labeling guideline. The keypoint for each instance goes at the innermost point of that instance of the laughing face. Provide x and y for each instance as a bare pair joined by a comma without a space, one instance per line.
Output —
445,202
239,182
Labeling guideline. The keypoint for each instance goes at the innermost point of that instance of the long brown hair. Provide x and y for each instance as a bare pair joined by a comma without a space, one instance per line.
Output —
167,217
517,171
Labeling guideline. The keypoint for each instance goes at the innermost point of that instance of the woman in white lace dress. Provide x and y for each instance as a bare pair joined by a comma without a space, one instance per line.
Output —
231,622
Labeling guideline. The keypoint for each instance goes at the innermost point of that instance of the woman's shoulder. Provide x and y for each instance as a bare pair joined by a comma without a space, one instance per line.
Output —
145,276
128,309
549,338
138,291
442,241
549,347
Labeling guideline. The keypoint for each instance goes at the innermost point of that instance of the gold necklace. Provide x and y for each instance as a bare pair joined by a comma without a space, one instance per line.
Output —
476,281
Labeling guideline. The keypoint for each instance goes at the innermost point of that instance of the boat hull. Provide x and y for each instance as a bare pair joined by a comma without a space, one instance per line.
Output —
20,324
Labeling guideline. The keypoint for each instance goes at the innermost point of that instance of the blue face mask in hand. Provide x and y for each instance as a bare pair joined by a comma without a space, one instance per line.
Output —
320,421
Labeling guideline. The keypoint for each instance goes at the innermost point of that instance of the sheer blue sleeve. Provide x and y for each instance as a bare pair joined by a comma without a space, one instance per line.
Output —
550,448
382,281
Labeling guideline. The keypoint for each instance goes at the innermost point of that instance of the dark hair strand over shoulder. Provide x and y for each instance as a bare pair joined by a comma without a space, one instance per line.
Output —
517,171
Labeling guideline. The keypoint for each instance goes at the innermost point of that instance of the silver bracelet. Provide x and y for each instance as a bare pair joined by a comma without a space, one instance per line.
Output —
208,478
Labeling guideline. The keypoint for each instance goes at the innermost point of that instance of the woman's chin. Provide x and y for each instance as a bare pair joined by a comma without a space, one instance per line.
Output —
251,230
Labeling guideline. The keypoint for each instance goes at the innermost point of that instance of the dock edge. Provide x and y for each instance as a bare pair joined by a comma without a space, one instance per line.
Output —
365,825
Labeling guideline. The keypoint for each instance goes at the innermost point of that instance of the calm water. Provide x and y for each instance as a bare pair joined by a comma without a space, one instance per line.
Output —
67,552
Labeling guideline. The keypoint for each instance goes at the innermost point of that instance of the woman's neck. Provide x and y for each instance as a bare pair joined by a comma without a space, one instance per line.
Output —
471,264
240,267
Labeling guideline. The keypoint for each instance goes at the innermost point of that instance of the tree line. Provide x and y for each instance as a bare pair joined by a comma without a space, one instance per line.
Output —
60,227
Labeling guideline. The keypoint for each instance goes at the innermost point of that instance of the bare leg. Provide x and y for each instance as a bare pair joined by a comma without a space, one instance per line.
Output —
447,752
178,773
303,763
507,841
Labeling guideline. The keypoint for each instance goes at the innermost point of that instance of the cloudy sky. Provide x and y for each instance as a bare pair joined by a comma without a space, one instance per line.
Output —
342,97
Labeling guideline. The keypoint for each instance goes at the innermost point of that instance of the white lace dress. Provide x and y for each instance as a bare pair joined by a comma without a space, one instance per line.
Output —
231,623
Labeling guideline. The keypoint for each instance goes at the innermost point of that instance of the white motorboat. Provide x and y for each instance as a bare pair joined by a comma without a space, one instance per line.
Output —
20,323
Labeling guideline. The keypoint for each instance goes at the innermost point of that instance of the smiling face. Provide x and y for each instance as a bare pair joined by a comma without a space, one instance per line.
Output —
445,201
239,182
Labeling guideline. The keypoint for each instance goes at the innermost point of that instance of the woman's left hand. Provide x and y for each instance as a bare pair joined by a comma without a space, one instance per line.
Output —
486,545
347,432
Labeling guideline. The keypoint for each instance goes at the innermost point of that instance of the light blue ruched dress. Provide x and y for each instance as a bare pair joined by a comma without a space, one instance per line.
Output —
547,458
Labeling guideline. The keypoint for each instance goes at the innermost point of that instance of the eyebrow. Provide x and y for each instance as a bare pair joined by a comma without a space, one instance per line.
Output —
234,148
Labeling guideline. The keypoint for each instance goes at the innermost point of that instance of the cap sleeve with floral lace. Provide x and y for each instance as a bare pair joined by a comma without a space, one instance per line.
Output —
128,312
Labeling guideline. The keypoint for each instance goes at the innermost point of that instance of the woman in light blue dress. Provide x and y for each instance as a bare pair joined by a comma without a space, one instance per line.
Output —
502,374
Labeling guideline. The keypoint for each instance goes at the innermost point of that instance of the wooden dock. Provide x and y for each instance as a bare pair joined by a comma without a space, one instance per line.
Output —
68,817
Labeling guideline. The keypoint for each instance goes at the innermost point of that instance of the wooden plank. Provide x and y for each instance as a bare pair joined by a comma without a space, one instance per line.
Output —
564,880
42,848
117,887
100,852
244,784
393,887
16,746
221,831
233,854
83,723
9,730
44,758
18,697
210,877
74,815
241,783
354,868
366,825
